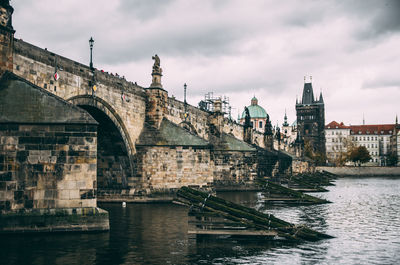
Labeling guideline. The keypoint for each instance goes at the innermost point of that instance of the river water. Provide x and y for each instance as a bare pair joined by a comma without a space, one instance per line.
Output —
364,218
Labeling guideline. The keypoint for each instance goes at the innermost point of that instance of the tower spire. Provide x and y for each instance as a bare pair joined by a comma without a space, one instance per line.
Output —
285,123
363,119
321,99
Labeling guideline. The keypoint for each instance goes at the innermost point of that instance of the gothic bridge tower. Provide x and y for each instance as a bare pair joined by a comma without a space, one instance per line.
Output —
311,119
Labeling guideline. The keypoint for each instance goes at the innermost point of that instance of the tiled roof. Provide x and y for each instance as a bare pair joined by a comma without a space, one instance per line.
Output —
372,129
377,129
335,125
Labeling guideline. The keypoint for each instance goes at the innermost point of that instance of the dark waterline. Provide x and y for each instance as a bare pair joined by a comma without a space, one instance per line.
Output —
364,217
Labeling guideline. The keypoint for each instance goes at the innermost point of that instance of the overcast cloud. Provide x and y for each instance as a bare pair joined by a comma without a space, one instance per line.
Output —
236,48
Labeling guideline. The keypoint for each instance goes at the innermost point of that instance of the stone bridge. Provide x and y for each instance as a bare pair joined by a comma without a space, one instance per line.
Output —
146,141
121,107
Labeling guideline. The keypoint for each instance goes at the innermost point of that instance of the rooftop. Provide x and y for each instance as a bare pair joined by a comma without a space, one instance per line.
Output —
376,129
255,110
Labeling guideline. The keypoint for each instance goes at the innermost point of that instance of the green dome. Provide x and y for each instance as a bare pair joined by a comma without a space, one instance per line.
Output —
255,111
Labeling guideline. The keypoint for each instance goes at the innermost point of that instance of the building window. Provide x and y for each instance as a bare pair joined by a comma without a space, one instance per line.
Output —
260,124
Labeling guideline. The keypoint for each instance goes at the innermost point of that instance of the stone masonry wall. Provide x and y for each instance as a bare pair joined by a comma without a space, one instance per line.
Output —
234,167
163,168
126,99
197,118
301,166
47,166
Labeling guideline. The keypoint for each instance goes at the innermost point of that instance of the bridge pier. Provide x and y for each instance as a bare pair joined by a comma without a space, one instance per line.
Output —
48,157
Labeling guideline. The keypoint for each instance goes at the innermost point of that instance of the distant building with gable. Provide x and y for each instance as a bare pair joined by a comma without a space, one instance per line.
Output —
376,138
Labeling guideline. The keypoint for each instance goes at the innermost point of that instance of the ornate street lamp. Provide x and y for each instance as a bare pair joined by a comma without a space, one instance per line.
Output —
91,41
184,100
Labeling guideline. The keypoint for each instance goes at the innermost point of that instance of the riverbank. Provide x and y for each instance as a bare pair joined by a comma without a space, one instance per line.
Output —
362,171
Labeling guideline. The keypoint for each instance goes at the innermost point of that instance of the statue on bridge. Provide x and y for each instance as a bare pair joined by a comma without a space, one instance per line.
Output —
247,122
268,127
157,73
156,67
278,135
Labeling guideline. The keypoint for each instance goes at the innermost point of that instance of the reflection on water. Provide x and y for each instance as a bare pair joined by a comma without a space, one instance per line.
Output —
364,218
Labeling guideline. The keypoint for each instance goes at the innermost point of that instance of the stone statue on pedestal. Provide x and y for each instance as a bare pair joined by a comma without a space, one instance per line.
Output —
156,73
247,118
268,127
156,67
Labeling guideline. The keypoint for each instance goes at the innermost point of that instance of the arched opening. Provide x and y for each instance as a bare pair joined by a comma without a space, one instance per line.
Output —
113,160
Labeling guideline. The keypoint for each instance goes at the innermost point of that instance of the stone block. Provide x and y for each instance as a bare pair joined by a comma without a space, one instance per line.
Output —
11,140
70,185
74,194
33,159
9,147
63,195
39,194
89,203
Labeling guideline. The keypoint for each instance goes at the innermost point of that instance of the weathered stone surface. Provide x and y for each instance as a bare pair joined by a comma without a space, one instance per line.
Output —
162,168
43,149
17,96
84,219
39,178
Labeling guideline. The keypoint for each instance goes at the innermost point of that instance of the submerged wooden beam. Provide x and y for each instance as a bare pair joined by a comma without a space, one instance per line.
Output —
234,232
279,193
248,218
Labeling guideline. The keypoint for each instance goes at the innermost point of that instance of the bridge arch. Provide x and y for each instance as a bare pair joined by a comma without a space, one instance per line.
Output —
115,167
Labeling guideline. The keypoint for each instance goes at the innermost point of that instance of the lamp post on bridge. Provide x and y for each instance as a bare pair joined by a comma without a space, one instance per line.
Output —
93,81
184,101
91,41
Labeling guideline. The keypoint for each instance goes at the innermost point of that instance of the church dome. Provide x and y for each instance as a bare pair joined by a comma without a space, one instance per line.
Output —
255,110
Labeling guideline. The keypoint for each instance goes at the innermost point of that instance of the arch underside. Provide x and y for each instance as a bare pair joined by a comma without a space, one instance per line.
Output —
114,153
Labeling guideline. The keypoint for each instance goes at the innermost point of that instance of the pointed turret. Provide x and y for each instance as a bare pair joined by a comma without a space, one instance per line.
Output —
308,94
321,99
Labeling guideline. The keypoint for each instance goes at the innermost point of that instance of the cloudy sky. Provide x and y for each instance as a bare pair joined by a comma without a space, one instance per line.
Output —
236,48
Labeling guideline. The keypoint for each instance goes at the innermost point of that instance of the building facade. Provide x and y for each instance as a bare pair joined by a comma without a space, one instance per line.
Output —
311,119
337,135
395,145
376,138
